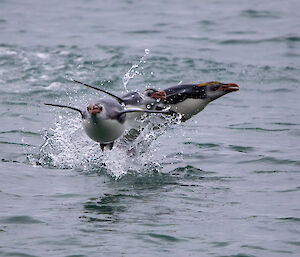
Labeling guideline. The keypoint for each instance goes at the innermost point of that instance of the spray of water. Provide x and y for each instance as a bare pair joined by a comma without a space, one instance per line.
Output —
135,69
67,147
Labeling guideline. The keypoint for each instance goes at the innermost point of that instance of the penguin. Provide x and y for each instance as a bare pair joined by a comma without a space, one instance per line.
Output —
190,99
104,120
134,99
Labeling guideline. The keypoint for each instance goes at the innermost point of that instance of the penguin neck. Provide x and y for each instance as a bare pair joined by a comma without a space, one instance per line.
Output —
94,119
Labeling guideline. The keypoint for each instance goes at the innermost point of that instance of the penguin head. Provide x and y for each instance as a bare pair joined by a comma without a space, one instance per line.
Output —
155,94
217,89
94,109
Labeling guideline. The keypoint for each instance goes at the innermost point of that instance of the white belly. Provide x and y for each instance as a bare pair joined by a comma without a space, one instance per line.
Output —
104,131
189,107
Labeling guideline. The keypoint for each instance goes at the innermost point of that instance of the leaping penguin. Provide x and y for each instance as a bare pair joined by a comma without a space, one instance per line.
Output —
104,121
190,99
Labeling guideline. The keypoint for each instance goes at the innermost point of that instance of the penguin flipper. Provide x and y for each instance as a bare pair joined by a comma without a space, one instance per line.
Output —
165,111
171,112
69,107
119,99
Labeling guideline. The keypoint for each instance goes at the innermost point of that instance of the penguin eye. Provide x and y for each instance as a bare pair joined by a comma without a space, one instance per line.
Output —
215,88
148,92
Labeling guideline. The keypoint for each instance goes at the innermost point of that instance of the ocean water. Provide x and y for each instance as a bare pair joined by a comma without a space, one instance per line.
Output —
224,183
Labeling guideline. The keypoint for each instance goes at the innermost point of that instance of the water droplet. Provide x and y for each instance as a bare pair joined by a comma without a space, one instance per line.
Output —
147,51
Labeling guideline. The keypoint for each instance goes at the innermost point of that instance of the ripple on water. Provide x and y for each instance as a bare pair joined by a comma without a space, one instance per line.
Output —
190,172
289,190
143,32
272,160
76,255
203,145
281,39
290,219
162,237
242,149
250,13
106,208
258,129
239,255
285,124
17,254
19,220
297,243
14,143
271,171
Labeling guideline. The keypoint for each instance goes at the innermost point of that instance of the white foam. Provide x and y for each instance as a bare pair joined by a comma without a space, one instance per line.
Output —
42,55
54,85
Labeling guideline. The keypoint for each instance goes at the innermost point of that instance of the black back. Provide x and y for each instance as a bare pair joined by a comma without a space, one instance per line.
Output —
179,93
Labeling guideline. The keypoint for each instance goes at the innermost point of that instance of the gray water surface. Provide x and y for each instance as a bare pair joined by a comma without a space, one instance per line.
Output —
224,183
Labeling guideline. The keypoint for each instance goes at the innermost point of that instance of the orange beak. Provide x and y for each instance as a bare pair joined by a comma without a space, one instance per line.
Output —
231,87
159,95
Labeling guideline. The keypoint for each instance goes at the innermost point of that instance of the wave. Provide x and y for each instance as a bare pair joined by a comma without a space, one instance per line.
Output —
259,14
280,39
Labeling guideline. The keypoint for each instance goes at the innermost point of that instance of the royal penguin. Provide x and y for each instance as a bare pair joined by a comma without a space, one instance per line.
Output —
190,99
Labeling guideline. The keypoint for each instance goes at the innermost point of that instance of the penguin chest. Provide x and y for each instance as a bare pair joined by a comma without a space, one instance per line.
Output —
103,131
189,107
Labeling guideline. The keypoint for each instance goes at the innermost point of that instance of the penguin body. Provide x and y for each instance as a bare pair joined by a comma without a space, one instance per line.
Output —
189,107
190,99
103,123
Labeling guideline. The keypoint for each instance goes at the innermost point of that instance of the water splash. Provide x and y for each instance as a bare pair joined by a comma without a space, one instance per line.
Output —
135,69
67,147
